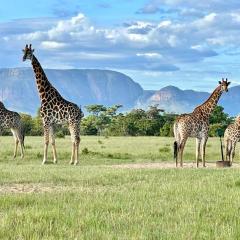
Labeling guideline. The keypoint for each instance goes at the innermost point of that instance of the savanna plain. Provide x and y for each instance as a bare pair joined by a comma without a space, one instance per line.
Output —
106,197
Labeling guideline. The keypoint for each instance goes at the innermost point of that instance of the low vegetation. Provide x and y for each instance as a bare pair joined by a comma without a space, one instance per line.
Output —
98,201
107,121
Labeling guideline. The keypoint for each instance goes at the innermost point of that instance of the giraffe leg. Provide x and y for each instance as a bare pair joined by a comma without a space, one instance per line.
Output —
16,142
176,152
73,144
46,142
204,141
198,142
75,132
232,154
230,145
73,153
51,130
77,151
182,145
227,145
20,138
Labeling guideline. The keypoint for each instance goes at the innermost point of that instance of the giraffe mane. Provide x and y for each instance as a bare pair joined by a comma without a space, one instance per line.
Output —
217,88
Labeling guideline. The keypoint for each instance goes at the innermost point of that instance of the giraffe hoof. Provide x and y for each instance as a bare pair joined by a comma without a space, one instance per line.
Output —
43,162
71,162
76,163
55,162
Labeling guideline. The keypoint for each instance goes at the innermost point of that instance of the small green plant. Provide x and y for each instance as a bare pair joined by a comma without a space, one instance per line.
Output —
164,150
60,134
39,155
85,151
28,147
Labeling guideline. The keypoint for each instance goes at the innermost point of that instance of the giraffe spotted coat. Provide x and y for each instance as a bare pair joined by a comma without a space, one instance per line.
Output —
196,124
55,109
231,137
12,120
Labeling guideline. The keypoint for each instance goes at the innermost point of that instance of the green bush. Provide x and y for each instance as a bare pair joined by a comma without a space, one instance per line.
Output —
60,134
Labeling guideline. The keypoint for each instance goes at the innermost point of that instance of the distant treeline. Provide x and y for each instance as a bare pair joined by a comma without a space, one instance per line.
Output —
108,121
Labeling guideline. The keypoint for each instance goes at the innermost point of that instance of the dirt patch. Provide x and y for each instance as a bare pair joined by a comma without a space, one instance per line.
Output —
29,188
46,188
164,165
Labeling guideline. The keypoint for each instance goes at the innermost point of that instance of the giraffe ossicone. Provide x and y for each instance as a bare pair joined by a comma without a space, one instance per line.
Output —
54,109
196,124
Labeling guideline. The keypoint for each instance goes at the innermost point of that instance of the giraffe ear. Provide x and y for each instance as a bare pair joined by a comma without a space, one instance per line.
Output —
23,50
32,50
228,83
219,82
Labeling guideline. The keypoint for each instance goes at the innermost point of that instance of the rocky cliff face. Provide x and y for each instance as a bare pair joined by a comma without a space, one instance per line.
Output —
175,100
18,89
89,86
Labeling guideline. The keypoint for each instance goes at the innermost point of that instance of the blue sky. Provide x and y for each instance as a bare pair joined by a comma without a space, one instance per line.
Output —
186,43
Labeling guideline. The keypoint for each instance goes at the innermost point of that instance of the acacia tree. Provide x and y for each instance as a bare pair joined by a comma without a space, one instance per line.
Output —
96,109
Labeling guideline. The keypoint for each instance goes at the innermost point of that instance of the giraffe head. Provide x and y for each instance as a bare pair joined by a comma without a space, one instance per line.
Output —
28,52
224,85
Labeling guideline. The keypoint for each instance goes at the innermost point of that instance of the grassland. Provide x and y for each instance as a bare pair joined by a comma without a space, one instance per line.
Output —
96,201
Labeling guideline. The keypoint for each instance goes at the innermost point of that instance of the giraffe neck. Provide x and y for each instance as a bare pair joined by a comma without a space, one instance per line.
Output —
42,82
208,106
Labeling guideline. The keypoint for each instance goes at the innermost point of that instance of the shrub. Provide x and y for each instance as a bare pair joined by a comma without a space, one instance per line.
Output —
164,150
60,134
85,151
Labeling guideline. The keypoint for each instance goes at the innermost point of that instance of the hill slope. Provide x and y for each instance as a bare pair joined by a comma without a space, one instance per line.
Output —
18,89
89,86
173,99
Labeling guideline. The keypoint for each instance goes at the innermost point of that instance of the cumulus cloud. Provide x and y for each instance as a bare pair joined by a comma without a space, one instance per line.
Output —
164,45
52,45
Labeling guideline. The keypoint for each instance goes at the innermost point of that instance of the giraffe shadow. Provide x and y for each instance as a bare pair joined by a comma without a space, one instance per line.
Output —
49,163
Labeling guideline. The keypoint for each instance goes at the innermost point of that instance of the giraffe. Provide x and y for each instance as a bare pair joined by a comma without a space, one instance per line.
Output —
196,124
231,137
12,120
54,109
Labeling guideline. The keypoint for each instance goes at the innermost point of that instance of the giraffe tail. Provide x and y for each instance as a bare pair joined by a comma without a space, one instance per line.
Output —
175,150
23,136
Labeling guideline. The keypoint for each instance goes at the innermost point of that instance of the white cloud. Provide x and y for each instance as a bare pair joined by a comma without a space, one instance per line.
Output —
149,55
134,45
164,24
52,45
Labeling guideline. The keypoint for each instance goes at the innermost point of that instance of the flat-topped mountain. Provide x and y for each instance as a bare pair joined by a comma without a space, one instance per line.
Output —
19,92
90,86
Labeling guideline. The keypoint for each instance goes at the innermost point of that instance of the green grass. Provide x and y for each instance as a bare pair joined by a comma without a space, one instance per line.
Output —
95,201
111,150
